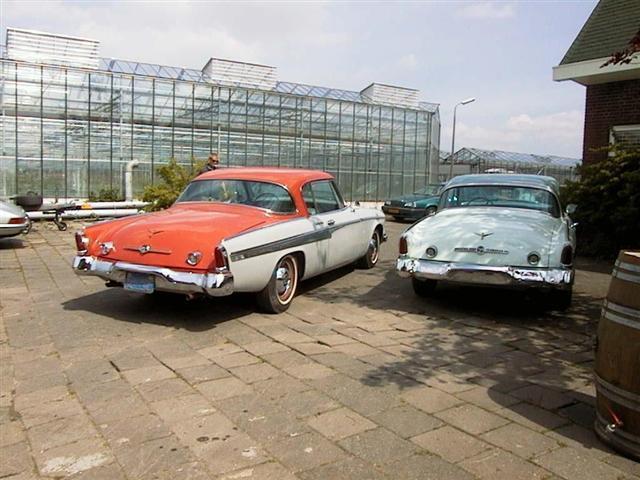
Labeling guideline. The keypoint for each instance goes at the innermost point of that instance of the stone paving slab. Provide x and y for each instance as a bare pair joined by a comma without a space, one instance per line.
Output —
360,379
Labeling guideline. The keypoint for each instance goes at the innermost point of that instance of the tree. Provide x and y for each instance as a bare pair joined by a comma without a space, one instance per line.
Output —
175,178
608,199
626,55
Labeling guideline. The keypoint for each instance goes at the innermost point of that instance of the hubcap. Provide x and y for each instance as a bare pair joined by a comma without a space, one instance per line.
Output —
285,279
373,247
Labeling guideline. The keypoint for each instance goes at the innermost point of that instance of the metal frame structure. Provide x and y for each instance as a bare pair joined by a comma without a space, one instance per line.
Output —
476,160
67,131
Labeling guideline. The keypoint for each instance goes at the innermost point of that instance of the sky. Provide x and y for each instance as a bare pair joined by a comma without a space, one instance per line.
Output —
500,52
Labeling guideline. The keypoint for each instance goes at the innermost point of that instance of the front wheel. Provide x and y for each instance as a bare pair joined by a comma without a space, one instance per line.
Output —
431,210
423,288
279,292
372,256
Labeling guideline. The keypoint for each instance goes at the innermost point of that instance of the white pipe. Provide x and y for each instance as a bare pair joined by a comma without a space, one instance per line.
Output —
128,180
111,205
85,214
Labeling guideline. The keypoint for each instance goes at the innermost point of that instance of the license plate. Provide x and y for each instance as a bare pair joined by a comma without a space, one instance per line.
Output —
140,282
393,210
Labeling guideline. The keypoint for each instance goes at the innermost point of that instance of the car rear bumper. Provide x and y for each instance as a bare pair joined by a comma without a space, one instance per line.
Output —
403,212
474,274
166,279
11,230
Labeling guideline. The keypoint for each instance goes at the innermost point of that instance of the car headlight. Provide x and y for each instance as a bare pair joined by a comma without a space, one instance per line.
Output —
387,202
533,258
410,204
431,252
193,258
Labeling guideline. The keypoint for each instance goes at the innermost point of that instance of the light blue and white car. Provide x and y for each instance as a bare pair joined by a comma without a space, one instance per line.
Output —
494,230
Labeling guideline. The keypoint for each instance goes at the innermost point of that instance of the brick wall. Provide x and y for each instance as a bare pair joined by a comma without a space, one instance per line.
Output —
608,104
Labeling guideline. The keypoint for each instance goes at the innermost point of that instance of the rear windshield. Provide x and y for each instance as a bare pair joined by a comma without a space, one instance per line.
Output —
500,196
268,196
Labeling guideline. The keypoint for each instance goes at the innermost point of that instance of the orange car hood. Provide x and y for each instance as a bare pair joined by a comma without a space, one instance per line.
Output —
173,233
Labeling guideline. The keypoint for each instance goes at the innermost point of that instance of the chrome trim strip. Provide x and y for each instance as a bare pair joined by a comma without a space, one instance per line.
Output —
283,244
618,395
291,242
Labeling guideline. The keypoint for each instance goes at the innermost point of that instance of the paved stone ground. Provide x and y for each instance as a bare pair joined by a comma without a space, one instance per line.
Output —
359,380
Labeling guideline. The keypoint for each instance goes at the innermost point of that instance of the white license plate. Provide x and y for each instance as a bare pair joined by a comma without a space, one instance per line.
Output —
140,282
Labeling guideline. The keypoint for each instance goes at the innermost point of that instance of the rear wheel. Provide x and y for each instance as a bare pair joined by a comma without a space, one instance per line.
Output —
279,292
372,256
423,288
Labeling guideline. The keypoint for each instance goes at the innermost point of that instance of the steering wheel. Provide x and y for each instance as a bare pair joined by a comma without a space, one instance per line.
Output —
265,198
481,199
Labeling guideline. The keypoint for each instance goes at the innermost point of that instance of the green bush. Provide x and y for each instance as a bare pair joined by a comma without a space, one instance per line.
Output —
175,178
106,195
608,200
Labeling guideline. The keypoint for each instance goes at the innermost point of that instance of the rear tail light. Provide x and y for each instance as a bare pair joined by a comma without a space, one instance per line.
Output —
82,243
402,247
220,259
567,255
17,220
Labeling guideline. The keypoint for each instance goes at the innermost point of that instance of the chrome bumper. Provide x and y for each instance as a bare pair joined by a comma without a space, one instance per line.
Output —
166,279
475,274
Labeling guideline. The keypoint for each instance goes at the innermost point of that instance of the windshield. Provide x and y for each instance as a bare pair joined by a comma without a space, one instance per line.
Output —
245,192
429,190
500,196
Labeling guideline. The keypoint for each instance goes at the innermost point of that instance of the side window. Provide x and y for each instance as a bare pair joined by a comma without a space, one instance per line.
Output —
307,196
325,196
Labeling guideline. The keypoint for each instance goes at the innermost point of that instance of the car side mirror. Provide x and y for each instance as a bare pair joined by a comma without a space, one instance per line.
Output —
571,209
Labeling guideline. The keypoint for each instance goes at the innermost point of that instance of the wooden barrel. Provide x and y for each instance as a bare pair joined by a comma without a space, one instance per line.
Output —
617,367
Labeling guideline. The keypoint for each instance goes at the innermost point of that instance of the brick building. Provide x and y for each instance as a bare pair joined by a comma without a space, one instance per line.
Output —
612,107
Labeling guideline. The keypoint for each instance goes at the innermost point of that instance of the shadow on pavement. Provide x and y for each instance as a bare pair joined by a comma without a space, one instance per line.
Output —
11,243
163,309
535,362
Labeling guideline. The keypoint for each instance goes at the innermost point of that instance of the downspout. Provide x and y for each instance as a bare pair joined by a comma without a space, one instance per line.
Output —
128,180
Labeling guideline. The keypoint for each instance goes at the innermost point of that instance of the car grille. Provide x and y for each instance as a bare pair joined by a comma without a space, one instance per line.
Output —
396,203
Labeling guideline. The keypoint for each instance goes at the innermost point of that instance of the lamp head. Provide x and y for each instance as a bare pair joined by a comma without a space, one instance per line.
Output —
468,100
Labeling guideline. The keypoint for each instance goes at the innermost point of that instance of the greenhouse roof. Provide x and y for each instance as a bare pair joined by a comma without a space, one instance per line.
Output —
472,155
194,75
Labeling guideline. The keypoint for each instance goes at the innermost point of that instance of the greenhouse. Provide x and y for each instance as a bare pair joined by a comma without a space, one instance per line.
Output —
476,160
71,121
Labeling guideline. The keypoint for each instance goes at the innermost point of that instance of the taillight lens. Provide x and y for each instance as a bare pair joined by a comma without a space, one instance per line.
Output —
567,255
402,247
17,221
220,259
82,243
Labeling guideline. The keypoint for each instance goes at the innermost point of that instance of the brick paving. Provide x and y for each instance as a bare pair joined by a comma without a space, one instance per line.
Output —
360,379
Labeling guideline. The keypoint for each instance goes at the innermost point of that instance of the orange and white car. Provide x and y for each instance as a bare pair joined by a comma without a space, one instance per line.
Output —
256,230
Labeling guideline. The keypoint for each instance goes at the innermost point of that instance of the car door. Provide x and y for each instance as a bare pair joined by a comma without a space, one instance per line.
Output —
329,211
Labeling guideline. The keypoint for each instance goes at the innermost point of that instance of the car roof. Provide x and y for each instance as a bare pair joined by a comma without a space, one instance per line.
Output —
290,177
519,180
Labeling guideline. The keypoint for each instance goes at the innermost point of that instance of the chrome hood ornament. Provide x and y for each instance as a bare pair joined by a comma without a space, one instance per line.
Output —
483,235
144,249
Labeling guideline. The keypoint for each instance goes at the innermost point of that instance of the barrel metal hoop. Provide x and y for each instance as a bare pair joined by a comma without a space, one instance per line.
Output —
627,277
618,395
628,266
634,315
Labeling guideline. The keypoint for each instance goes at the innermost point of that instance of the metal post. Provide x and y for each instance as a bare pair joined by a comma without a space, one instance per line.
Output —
453,143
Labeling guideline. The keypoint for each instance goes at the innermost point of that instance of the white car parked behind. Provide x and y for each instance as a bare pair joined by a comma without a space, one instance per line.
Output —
498,230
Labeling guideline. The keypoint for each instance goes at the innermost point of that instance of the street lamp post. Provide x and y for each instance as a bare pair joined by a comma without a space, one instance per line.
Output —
453,134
